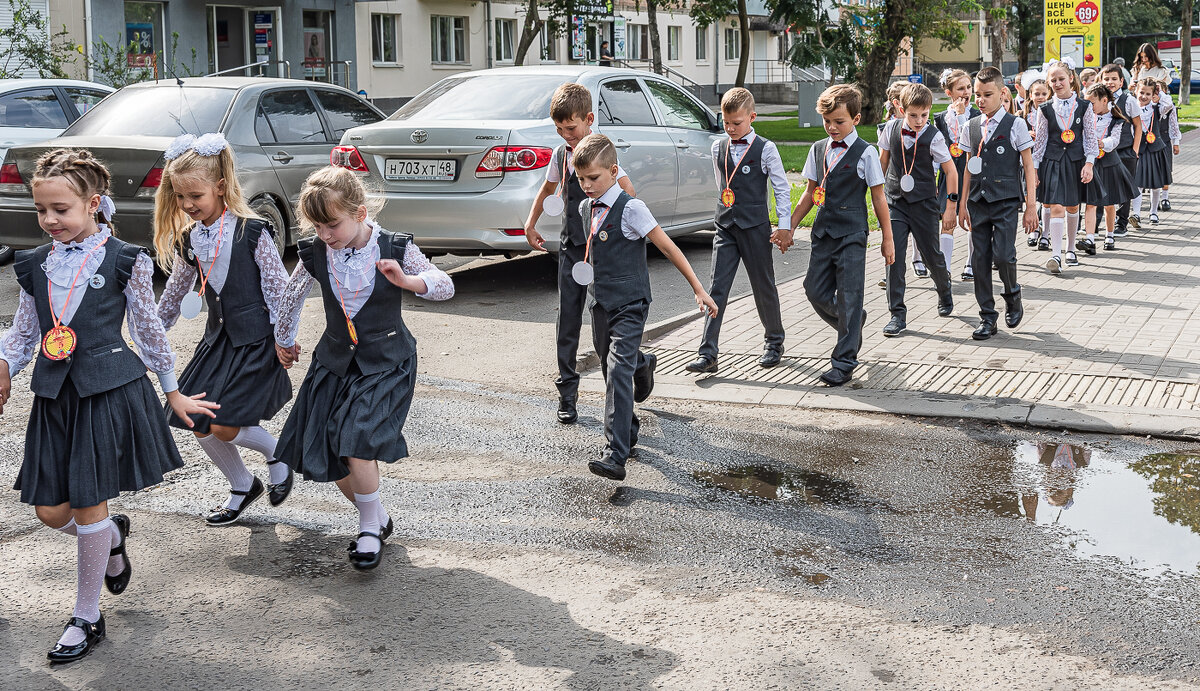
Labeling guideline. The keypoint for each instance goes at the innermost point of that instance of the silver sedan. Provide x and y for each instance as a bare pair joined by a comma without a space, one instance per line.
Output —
460,164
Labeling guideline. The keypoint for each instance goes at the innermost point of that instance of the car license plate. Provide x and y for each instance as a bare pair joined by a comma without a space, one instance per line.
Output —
419,169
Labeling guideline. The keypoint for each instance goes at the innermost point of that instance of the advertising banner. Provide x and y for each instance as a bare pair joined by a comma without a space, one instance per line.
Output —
1073,30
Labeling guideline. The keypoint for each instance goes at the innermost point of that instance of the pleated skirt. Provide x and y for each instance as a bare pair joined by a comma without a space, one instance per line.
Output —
1110,186
247,381
1060,183
357,416
1153,169
87,450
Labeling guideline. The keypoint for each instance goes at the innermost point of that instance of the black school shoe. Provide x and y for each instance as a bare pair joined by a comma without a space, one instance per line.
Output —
93,633
836,377
117,584
986,330
1110,244
279,491
643,379
1164,205
365,561
1086,245
771,356
224,516
920,270
608,469
968,274
702,365
567,414
1033,239
1044,244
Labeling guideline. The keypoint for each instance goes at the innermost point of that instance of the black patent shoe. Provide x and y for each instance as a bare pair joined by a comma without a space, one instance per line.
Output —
920,270
945,307
365,561
607,468
224,516
117,584
702,365
771,356
279,491
986,330
387,529
1015,311
567,414
1044,244
643,379
92,634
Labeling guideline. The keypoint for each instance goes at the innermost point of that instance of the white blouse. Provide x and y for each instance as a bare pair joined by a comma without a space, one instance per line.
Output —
354,270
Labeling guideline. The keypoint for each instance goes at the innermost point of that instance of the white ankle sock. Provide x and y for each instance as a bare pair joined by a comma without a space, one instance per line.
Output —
947,242
370,508
1154,197
260,440
1057,228
227,459
116,564
68,528
92,544
1135,205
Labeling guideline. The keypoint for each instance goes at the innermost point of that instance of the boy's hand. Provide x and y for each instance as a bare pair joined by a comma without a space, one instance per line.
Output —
707,305
534,239
287,356
949,219
1175,148
783,239
888,249
183,406
1085,176
5,385
1031,219
964,218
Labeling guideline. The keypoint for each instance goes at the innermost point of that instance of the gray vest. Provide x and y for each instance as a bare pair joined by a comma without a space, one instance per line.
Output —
845,210
1125,143
573,232
239,310
1001,177
749,185
383,340
102,360
1056,148
919,158
621,273
1161,128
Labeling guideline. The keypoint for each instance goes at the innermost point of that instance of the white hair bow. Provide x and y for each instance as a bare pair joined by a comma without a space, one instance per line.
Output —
107,209
209,144
181,144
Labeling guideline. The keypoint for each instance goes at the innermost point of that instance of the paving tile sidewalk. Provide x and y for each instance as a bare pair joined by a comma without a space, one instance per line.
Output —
1112,345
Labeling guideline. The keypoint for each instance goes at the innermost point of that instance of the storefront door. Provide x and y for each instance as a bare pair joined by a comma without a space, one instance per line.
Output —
239,36
263,29
318,48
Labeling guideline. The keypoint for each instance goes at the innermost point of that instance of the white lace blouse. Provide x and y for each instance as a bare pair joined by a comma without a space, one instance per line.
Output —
354,271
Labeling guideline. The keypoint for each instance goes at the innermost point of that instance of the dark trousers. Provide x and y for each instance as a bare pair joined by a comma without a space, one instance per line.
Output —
572,298
994,239
1122,210
834,286
617,335
918,221
752,247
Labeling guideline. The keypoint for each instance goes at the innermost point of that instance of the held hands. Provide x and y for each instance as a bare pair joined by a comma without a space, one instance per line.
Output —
949,219
1085,176
5,385
183,406
287,356
707,305
534,239
390,268
783,239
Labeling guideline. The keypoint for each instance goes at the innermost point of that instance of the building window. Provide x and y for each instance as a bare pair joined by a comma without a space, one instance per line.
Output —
385,38
674,39
549,44
639,42
506,29
449,40
733,48
145,34
702,43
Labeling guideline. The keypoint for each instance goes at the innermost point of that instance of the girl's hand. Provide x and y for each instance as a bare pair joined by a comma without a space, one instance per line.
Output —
183,406
5,385
960,105
1175,148
287,356
390,268
964,218
1086,176
707,305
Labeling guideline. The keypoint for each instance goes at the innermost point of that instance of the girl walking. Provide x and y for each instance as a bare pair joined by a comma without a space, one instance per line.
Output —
1111,186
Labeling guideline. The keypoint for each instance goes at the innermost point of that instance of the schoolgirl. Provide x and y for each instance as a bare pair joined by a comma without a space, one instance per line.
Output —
205,233
351,408
1154,166
1113,76
1064,152
1038,93
1171,127
94,429
952,124
1111,185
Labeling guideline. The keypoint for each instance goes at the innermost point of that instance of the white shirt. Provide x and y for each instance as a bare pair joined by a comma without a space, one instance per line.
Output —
211,245
957,124
1018,135
1108,143
868,167
554,175
772,165
938,148
636,221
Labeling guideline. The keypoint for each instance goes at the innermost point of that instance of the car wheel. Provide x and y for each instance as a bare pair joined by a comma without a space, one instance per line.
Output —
6,254
263,206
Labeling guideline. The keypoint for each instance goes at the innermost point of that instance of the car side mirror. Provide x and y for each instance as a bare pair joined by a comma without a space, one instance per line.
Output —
719,125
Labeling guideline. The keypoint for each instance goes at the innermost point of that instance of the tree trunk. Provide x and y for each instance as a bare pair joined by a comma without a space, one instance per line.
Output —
655,43
1185,52
876,71
529,32
999,31
744,41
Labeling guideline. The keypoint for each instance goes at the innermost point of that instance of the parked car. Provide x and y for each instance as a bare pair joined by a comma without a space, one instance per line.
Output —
1193,88
460,164
280,130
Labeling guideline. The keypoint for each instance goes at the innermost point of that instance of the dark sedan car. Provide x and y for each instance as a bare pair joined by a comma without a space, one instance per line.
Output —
280,130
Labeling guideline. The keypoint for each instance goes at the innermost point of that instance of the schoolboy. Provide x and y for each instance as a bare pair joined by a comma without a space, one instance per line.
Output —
840,170
1000,145
746,164
571,111
1127,148
618,280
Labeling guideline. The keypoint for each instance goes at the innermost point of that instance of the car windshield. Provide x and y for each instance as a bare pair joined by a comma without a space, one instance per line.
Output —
485,97
165,111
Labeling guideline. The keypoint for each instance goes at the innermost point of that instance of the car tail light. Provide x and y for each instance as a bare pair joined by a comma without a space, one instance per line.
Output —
348,157
10,180
150,183
513,159
514,232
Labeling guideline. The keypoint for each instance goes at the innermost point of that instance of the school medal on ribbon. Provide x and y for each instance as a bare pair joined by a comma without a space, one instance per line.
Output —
819,196
1068,136
975,165
59,343
353,331
190,305
96,281
604,236
553,206
907,183
956,150
727,197
583,273
1150,137
1100,155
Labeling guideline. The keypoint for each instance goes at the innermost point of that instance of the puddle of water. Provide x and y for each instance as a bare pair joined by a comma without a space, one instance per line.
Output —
1144,512
811,578
782,484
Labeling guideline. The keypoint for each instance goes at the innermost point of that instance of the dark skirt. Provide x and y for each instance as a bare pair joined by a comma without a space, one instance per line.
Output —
1110,186
358,415
1061,183
247,381
1153,170
86,451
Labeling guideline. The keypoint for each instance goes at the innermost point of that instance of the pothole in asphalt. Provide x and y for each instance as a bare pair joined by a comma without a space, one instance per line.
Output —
787,484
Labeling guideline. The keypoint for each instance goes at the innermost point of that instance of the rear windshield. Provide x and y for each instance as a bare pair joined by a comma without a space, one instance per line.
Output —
165,111
485,97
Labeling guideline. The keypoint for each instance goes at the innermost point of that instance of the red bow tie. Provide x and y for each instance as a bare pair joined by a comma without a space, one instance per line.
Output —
840,145
738,141
908,133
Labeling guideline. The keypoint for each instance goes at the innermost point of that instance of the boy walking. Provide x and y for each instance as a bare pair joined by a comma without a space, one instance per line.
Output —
840,170
746,165
615,273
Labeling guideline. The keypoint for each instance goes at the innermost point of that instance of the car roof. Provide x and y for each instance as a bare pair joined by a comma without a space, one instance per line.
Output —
230,82
12,84
575,71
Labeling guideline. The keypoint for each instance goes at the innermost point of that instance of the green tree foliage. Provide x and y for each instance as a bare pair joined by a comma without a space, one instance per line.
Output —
1027,29
31,46
1175,480
708,12
1122,17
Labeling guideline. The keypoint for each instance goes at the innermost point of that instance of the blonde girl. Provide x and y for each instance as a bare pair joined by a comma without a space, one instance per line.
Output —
222,255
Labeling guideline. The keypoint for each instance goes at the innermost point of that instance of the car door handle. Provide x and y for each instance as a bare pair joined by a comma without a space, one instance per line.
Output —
622,144
682,145
283,157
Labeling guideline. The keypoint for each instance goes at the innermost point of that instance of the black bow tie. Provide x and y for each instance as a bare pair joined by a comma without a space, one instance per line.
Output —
738,141
599,205
908,133
350,253
72,248
840,145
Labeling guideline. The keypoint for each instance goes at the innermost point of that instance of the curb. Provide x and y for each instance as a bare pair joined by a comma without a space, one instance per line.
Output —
589,361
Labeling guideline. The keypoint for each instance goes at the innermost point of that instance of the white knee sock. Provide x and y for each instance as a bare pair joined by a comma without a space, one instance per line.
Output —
947,242
260,440
227,459
68,528
970,251
1072,229
370,508
92,544
1045,220
1057,228
1135,204
1154,197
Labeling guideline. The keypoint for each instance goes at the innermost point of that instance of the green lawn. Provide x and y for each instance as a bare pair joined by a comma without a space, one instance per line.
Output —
788,131
1191,111
798,191
937,108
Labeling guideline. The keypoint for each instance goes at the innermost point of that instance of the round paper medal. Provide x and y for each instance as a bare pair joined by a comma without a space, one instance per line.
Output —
353,331
727,197
907,183
975,165
553,206
1150,137
819,196
956,150
1068,136
583,273
190,305
59,343
1100,155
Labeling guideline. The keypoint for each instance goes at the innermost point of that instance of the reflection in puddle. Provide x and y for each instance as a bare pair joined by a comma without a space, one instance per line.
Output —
1145,513
782,484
